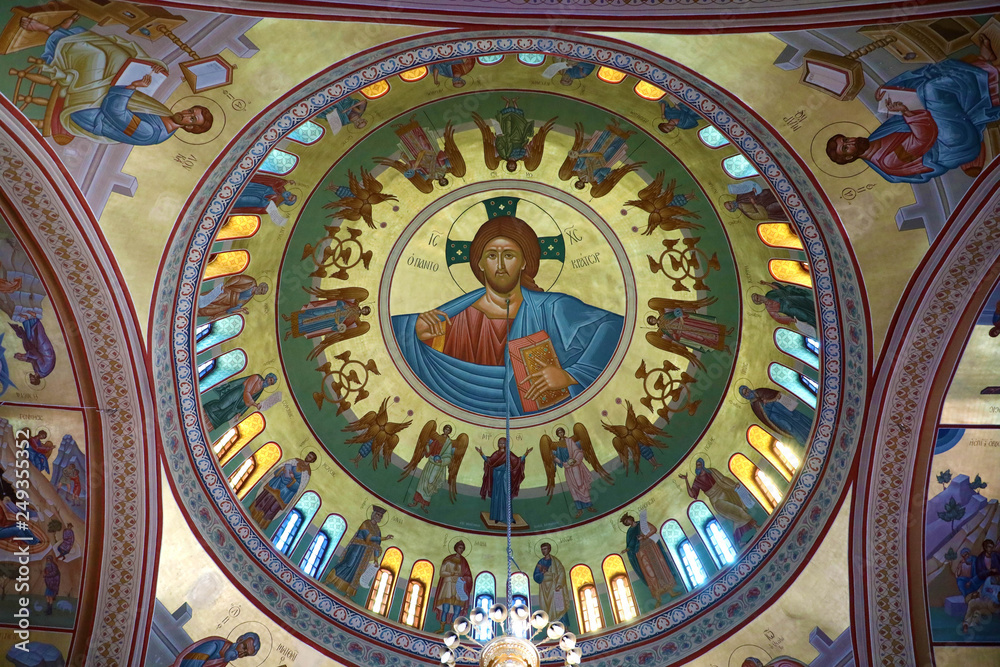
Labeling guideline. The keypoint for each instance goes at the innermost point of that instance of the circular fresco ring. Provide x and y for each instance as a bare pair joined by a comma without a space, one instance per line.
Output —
309,610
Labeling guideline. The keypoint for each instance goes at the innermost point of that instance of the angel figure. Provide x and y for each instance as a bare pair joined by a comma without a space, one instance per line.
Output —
357,199
517,139
679,329
336,317
569,453
592,165
666,210
376,435
444,458
421,162
637,436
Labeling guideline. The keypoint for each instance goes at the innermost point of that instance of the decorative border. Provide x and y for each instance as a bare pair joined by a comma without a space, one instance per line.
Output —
910,383
59,223
307,608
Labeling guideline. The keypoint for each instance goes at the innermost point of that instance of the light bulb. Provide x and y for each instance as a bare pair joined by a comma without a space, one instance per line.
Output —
556,630
520,612
447,656
451,639
574,656
462,625
539,619
478,616
498,613
567,642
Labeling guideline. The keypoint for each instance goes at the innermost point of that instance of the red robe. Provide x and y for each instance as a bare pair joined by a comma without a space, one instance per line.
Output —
475,338
901,154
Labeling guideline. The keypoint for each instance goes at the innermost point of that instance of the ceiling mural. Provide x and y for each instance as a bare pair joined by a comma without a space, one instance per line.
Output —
682,283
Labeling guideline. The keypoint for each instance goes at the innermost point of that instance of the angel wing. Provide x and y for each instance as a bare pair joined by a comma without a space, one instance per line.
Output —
566,170
460,444
661,342
489,142
545,447
536,147
668,193
662,305
338,337
418,181
581,435
454,154
611,180
650,192
371,184
357,294
647,433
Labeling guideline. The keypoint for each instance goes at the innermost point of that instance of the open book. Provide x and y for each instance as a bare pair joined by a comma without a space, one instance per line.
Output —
529,355
134,69
904,95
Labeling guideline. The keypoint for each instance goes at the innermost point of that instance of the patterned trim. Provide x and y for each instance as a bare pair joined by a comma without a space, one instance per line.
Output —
669,634
911,376
67,237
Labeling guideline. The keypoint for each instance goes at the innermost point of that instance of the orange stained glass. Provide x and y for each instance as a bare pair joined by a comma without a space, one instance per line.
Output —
415,74
226,263
376,90
613,565
746,472
264,458
422,572
779,235
392,559
239,227
764,443
620,592
580,575
648,91
790,271
245,431
608,75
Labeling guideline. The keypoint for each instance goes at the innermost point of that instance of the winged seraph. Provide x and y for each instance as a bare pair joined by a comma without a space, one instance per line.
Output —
595,171
518,140
337,311
375,428
569,459
636,432
662,206
364,195
444,456
427,165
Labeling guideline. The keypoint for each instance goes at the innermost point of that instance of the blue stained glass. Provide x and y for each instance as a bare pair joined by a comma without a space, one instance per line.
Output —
225,366
484,632
792,381
711,137
211,334
317,550
738,166
306,133
279,162
532,59
489,60
796,345
335,526
285,536
692,564
722,546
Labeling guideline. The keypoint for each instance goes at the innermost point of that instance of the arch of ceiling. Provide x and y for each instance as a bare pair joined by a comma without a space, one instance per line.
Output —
110,425
677,631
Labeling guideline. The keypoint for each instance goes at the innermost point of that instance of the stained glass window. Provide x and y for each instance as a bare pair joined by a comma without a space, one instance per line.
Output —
314,555
279,162
738,166
692,564
721,545
285,537
306,133
711,137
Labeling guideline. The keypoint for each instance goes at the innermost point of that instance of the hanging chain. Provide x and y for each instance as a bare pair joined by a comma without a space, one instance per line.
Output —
510,490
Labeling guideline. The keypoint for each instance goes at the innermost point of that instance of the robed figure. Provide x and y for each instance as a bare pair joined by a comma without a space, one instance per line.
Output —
681,330
217,651
443,457
362,550
264,194
554,594
722,495
788,304
593,164
778,412
458,350
517,140
235,397
336,316
284,487
229,297
570,453
494,484
454,587
649,559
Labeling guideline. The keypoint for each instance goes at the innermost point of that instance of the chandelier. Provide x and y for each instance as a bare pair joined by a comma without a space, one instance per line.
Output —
509,649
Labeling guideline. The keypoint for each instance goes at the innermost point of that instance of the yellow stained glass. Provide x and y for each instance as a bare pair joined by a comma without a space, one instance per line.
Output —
619,588
779,235
376,90
392,559
415,74
608,75
613,565
239,227
648,91
226,263
246,430
422,572
790,271
580,576
764,443
746,472
265,458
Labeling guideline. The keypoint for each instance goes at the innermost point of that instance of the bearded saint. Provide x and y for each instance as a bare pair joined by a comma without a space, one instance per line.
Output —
721,493
459,349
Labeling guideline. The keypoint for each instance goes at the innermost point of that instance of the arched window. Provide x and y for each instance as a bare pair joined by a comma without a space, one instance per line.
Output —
380,594
520,595
776,452
413,75
673,537
484,595
608,75
531,59
790,271
306,133
233,440
223,368
619,589
334,528
588,604
209,335
779,235
797,346
306,506
263,460
767,486
737,166
226,263
692,564
376,90
239,478
201,332
711,137
239,227
489,60
745,471
287,532
722,546
279,162
648,91
314,554
415,597
793,382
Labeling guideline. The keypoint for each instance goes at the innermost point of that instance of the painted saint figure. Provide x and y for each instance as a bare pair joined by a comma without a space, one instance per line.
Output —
958,99
788,304
454,70
570,453
443,459
39,450
38,350
364,548
285,485
348,111
649,559
577,70
517,140
262,193
778,412
755,202
681,330
677,116
218,652
336,317
235,397
68,540
554,594
722,495
52,578
592,164
458,349
454,587
494,484
230,297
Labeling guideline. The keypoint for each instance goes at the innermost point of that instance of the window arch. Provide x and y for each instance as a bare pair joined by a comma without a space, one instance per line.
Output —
226,263
202,331
777,453
531,59
307,505
233,440
619,589
314,554
211,334
279,162
673,536
263,460
489,60
797,345
608,75
720,546
790,271
415,597
779,235
380,594
238,227
306,133
225,367
520,596
484,595
205,368
414,75
588,603
376,90
648,91
737,167
794,382
711,137
284,537
334,528
752,478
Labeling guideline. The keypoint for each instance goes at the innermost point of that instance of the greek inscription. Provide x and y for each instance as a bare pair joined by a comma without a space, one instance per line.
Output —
586,260
795,120
573,235
425,264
